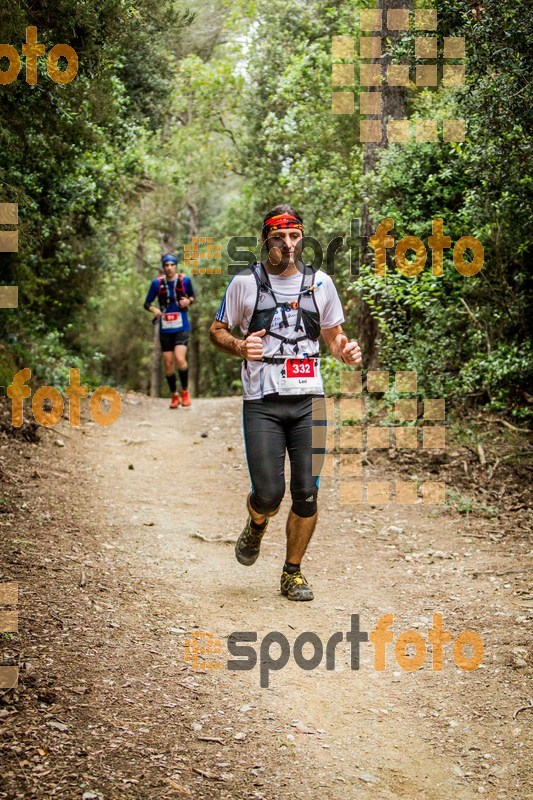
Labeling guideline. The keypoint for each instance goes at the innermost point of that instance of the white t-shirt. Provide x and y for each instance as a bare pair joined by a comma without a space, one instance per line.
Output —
237,307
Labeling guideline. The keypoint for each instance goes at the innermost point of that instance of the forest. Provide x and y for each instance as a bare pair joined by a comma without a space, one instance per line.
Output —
190,120
400,131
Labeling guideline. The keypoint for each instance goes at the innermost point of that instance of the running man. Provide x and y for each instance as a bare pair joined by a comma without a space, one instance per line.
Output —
282,306
175,294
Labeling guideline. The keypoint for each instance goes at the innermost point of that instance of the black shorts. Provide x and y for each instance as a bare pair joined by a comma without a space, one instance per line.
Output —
273,426
170,340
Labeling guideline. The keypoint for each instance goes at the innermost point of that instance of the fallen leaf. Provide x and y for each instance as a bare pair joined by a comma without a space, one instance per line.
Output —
301,728
210,739
177,787
60,726
364,776
212,775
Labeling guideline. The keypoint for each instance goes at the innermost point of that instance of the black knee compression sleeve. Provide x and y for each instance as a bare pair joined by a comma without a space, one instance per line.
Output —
265,505
304,502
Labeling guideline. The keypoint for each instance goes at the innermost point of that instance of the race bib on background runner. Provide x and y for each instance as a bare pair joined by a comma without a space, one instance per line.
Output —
171,321
300,376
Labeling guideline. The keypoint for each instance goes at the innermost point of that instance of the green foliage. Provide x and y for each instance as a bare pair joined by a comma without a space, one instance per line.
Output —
178,126
469,505
467,337
68,153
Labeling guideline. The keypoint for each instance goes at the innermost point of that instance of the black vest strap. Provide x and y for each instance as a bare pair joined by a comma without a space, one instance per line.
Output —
308,323
164,290
280,359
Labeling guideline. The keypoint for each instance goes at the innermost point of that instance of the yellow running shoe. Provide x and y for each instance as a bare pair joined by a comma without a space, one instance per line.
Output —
295,587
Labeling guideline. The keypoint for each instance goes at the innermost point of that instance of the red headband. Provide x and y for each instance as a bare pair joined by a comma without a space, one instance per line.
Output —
282,221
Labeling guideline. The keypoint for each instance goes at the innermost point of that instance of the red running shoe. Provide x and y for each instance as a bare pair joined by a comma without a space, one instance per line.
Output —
185,398
174,400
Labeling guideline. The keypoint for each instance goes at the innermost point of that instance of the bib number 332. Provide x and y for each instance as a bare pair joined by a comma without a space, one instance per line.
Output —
300,367
300,376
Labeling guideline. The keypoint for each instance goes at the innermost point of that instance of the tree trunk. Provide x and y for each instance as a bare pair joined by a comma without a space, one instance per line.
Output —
394,107
194,349
194,362
155,376
139,251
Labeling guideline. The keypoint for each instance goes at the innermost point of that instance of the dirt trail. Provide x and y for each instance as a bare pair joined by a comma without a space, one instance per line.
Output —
140,579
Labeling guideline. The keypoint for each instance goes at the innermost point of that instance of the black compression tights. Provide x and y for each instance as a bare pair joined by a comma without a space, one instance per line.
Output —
272,427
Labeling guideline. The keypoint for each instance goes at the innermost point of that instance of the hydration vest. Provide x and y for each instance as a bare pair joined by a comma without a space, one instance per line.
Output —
164,292
266,305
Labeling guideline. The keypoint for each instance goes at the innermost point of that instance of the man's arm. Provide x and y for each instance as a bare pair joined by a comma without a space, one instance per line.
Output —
340,348
251,348
150,297
184,302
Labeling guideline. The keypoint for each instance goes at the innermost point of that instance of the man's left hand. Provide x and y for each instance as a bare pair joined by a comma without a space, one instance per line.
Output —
350,352
184,302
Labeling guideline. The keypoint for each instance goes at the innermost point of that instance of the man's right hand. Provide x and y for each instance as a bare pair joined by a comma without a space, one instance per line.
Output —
252,346
157,312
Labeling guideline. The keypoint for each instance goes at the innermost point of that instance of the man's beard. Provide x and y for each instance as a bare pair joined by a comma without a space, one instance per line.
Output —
281,258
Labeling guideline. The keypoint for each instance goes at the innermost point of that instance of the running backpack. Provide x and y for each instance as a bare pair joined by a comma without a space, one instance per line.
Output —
164,291
266,305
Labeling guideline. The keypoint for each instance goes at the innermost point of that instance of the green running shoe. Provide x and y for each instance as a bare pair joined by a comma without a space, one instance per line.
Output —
295,587
249,543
